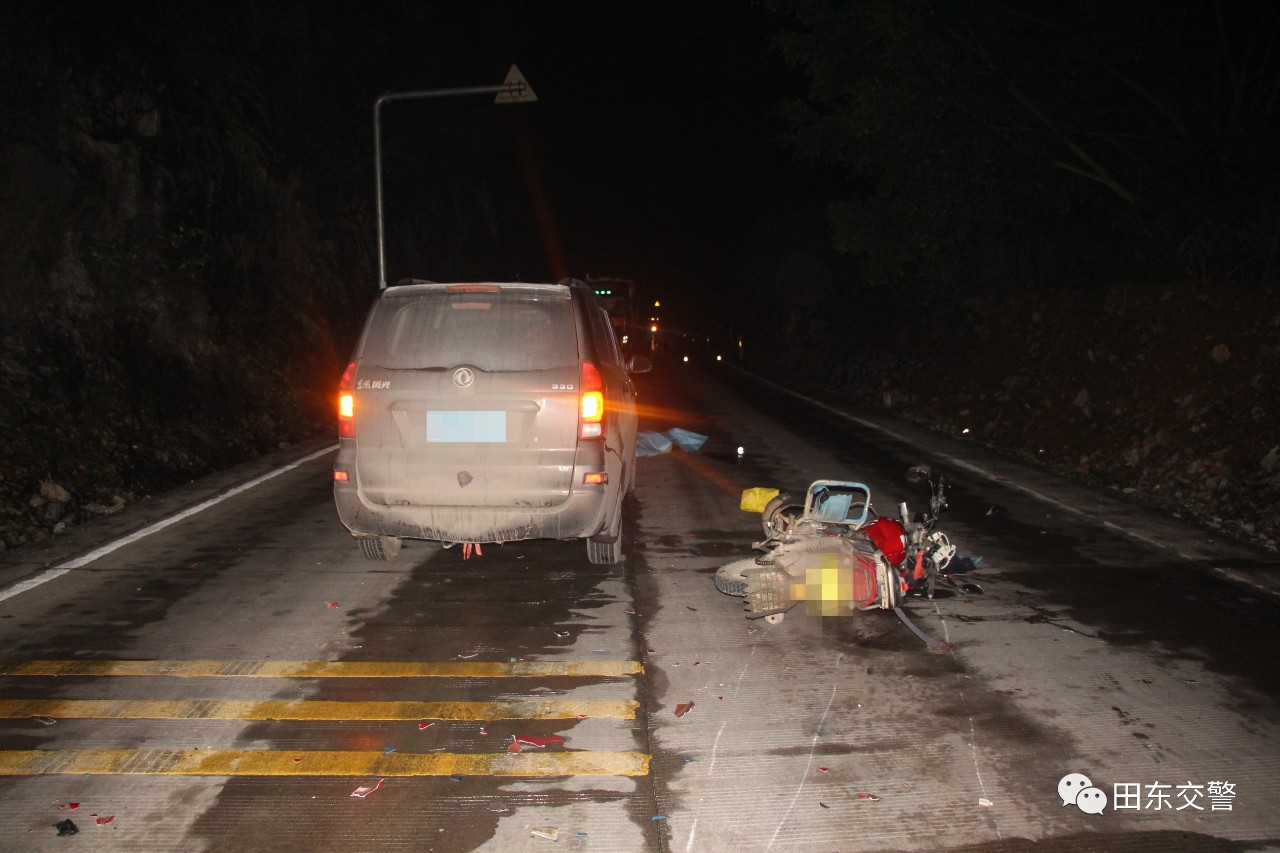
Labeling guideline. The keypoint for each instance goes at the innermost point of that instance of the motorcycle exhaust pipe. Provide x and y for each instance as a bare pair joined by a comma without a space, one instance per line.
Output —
904,514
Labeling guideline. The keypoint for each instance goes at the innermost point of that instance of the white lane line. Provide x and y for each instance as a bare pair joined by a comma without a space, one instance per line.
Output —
60,570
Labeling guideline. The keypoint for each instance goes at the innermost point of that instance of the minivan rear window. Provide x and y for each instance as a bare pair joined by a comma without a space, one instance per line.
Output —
495,332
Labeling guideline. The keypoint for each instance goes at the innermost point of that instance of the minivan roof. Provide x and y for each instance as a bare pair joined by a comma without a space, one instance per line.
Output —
425,284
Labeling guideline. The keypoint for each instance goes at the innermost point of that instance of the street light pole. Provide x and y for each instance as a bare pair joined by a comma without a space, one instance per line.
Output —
514,90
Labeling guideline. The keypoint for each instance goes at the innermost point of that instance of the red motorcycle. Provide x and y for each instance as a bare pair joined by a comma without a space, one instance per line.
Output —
830,550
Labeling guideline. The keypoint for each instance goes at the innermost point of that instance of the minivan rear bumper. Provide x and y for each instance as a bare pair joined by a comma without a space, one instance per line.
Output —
586,512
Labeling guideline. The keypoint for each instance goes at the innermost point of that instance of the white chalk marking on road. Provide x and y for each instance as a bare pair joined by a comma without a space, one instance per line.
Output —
973,728
813,747
79,562
738,684
693,831
714,746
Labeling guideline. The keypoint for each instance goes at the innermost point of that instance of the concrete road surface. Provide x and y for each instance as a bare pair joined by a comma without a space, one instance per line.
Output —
218,669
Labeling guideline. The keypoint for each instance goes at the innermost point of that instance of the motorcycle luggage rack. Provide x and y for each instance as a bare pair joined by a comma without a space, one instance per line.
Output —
767,593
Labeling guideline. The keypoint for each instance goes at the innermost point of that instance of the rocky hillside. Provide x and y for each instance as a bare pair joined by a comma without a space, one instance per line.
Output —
1168,394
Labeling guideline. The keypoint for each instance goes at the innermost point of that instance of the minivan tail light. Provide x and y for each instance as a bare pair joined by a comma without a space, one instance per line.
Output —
591,412
347,403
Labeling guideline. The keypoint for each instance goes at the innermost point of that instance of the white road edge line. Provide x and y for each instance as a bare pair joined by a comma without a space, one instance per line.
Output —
61,569
975,469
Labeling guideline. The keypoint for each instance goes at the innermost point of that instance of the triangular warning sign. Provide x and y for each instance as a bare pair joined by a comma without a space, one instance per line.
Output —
519,93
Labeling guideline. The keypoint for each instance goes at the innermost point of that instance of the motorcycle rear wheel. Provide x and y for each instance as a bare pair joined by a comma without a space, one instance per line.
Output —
729,577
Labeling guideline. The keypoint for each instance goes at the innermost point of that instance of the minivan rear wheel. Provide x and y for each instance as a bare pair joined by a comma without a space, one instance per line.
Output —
380,547
604,553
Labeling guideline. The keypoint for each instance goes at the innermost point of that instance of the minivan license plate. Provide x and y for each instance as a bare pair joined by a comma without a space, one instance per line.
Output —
489,427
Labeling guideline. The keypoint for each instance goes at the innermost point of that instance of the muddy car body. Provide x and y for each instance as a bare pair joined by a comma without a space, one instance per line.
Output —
486,412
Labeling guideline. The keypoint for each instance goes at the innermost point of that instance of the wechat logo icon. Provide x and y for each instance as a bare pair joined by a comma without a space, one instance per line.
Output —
1076,789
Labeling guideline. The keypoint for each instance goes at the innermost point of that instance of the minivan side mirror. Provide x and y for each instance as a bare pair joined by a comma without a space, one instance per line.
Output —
639,364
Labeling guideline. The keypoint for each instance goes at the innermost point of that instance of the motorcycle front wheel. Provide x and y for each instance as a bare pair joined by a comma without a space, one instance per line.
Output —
781,514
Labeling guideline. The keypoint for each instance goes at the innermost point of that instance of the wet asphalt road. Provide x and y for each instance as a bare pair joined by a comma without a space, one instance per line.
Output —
227,682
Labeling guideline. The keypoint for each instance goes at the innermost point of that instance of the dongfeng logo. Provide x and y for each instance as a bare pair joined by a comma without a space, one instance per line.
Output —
463,377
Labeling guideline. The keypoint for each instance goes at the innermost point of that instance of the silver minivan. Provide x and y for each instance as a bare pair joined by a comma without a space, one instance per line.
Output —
486,412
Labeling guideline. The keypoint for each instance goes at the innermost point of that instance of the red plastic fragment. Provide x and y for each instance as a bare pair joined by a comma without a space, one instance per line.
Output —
333,605
539,741
103,821
683,708
425,725
872,797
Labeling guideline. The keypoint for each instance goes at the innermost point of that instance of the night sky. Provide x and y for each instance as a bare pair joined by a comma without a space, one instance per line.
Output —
654,150
950,147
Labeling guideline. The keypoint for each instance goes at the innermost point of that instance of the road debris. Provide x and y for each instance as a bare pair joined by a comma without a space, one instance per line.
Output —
365,790
548,832
45,721
425,725
333,605
651,444
66,827
984,802
104,820
683,708
689,442
756,499
870,797
538,741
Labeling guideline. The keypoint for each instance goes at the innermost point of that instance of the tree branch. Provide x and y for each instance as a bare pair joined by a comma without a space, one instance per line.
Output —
1101,177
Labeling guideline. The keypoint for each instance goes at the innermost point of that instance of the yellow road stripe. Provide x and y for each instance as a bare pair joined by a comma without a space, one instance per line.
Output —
322,669
195,762
222,709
